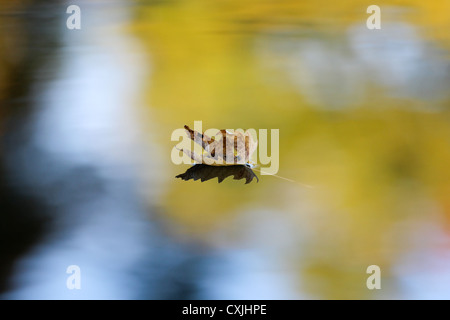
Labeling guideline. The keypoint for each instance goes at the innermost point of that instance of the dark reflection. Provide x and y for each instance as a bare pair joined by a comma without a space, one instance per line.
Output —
24,215
21,227
205,172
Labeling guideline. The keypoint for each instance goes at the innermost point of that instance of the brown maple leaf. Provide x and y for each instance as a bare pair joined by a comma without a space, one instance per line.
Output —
224,150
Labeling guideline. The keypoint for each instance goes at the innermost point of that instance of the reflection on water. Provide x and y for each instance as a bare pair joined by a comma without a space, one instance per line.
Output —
86,177
205,172
340,75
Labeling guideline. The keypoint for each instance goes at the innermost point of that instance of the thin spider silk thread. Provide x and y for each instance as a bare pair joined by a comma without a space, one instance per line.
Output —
287,179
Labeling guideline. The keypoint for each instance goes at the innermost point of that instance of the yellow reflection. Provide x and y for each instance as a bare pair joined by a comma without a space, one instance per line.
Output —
381,161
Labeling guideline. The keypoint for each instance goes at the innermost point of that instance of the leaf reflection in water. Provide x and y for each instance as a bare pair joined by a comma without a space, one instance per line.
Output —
206,172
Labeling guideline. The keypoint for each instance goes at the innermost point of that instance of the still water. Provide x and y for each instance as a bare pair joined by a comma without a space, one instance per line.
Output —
87,179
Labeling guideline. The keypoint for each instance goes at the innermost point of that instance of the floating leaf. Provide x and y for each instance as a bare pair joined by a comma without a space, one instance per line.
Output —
226,149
